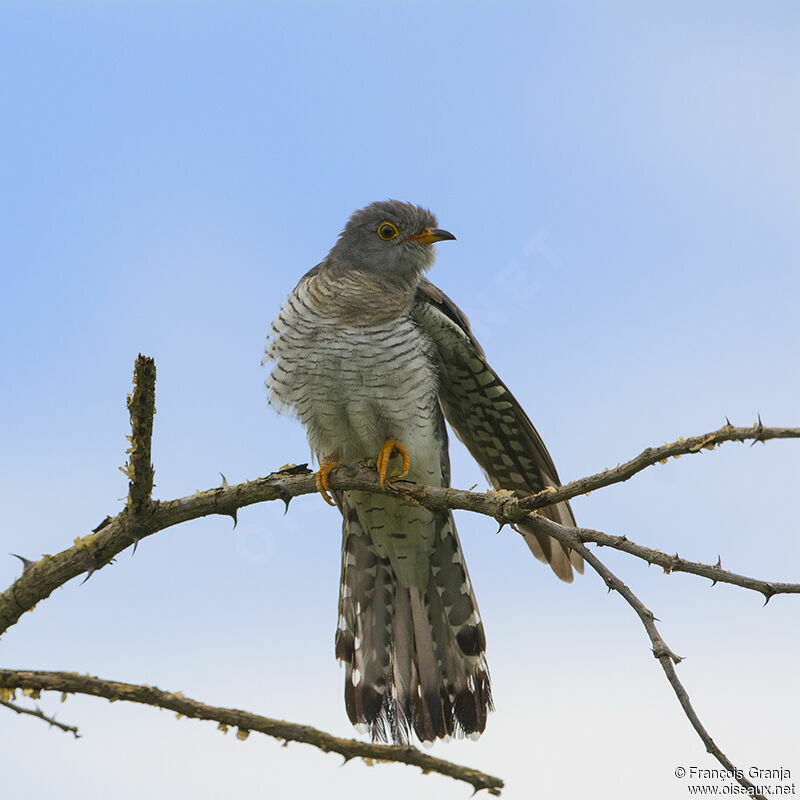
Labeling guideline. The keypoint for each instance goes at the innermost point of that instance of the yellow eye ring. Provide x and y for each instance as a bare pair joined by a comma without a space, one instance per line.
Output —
387,231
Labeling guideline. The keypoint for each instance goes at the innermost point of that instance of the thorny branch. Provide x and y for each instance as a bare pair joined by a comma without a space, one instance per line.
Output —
143,517
659,455
114,534
244,722
661,651
39,714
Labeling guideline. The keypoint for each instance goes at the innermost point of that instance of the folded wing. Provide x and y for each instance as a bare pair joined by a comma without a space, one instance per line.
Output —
487,418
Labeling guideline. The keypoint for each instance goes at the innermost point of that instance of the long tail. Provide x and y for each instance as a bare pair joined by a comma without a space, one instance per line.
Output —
414,655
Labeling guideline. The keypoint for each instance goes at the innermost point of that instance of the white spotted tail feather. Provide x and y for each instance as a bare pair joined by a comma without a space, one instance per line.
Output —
414,655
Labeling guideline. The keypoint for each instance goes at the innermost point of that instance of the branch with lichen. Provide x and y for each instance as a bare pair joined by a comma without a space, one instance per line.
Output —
35,681
142,408
143,517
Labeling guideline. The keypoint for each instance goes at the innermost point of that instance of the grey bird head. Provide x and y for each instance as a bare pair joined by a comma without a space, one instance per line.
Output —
390,238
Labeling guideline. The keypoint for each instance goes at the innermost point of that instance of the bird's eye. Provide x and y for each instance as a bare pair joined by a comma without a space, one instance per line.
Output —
387,231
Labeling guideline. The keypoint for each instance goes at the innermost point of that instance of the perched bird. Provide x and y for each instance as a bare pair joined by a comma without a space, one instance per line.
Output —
372,357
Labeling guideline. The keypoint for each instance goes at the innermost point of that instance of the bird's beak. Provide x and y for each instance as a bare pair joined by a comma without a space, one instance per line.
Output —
431,235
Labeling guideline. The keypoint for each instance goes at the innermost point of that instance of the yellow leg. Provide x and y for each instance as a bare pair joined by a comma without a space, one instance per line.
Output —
326,466
386,453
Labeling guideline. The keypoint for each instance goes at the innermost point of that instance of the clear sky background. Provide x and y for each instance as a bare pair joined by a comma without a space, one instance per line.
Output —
624,182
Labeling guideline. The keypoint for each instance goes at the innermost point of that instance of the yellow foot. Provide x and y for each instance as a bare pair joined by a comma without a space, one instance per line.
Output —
386,453
326,466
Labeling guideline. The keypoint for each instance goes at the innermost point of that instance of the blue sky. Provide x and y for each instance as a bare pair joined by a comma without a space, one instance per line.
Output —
624,183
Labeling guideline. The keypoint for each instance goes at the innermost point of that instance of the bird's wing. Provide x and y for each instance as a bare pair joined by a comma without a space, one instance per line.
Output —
487,418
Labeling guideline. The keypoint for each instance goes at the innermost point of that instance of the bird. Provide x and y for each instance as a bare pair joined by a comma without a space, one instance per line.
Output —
372,358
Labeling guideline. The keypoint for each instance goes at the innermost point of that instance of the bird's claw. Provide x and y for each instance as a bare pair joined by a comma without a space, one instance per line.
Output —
389,447
326,466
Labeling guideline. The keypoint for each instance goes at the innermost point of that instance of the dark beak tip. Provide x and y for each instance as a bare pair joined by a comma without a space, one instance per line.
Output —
443,235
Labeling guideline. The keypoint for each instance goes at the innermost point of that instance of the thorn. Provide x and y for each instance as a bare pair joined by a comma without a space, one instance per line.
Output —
502,525
287,498
758,427
224,480
768,596
94,566
89,573
718,565
713,584
728,423
234,517
26,563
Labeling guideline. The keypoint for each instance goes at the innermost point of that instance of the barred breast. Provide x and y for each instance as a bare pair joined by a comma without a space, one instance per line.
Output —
356,370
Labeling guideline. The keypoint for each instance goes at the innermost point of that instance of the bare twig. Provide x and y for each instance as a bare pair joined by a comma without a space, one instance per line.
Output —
37,712
245,722
142,408
662,652
659,455
668,563
139,469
